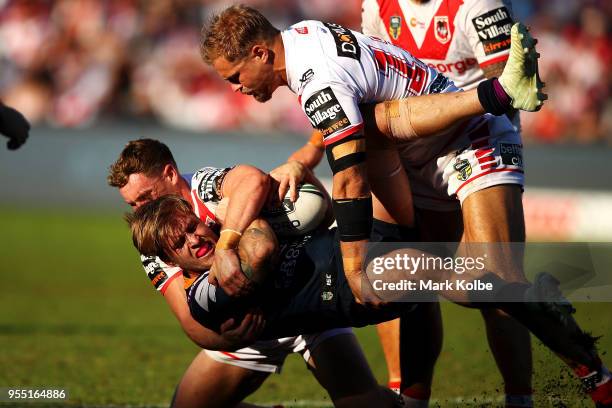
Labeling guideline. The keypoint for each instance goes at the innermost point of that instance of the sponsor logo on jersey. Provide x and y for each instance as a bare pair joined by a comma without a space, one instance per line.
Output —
325,113
346,43
208,181
464,168
493,30
155,272
414,23
439,84
395,27
289,254
441,29
511,154
306,77
327,294
301,30
459,67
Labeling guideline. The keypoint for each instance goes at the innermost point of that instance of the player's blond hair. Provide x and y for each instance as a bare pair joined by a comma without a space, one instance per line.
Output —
233,32
156,224
147,156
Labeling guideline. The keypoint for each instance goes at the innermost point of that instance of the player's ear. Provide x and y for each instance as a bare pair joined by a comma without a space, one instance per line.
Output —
170,173
260,53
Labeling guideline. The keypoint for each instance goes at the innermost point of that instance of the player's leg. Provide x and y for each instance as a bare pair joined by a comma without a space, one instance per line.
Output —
518,87
389,334
338,363
417,355
421,348
495,214
210,383
420,345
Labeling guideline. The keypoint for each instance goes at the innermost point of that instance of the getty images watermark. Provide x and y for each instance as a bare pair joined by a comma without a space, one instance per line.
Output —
485,272
405,263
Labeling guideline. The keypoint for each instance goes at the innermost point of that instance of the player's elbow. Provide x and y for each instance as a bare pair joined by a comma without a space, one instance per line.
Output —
254,180
258,250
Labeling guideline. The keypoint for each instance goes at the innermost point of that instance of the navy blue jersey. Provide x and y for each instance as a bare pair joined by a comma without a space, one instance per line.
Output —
307,293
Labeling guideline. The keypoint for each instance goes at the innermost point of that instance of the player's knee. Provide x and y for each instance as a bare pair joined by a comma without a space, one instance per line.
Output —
394,119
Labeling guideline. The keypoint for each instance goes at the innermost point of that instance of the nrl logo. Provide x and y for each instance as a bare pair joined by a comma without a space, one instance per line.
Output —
442,29
464,168
395,27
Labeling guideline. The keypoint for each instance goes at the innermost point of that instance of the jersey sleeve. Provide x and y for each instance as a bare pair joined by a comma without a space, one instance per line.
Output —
487,27
207,183
159,272
371,23
333,109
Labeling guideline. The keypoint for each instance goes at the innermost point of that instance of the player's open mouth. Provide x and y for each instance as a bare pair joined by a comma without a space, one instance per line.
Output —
204,249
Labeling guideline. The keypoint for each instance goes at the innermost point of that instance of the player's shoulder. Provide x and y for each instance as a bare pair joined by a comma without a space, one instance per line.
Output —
483,9
207,182
158,271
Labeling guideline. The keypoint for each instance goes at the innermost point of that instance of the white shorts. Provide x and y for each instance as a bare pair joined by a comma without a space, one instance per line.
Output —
269,355
490,153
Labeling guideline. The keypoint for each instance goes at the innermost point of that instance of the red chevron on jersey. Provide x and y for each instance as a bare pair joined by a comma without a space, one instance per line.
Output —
201,210
438,35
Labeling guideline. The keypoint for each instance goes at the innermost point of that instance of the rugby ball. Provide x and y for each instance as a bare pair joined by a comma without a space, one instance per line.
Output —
291,219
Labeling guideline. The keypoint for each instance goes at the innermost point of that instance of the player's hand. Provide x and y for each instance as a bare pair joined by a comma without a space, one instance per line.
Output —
227,273
288,176
247,332
14,126
362,289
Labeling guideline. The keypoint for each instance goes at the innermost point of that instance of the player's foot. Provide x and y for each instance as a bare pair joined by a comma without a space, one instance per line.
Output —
520,78
546,296
598,384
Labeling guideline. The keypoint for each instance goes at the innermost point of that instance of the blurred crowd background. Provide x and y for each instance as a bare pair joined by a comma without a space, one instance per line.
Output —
75,63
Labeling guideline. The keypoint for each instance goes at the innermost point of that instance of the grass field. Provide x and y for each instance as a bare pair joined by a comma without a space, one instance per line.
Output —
78,312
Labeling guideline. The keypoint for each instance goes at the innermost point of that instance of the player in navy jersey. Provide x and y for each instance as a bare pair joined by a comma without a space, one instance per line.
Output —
307,291
231,366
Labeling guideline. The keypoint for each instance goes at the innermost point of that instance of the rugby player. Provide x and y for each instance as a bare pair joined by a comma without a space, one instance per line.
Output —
469,42
305,289
14,126
227,371
333,70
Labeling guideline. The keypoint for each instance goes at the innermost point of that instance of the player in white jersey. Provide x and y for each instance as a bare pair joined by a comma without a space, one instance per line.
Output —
226,372
333,70
468,41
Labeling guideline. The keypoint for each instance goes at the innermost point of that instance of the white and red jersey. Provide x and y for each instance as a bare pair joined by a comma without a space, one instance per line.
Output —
333,70
205,196
456,37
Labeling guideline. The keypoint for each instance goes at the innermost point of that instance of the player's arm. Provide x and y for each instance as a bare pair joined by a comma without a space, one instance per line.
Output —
332,108
212,307
231,339
487,25
352,204
247,189
14,126
311,153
